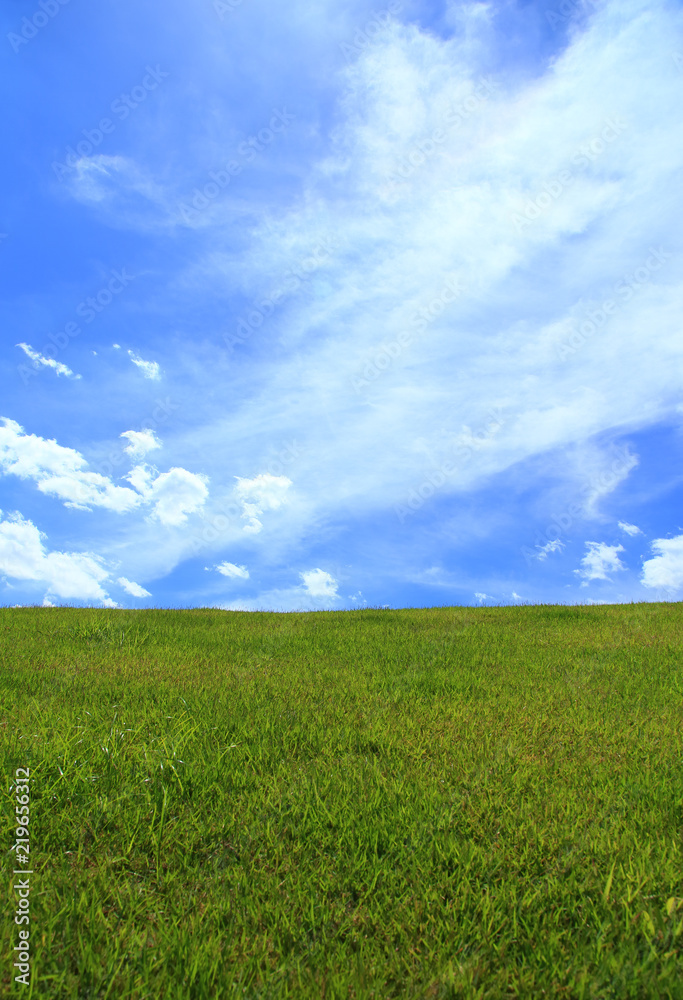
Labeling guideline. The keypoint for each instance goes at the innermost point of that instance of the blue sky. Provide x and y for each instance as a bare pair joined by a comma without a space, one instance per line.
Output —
323,306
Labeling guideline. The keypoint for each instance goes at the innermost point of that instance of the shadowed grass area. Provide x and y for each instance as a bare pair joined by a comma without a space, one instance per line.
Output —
444,803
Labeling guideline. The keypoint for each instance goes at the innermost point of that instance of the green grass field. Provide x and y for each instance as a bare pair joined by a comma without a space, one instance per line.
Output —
437,803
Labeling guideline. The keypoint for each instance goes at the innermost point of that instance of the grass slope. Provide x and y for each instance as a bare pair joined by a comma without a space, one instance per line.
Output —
444,803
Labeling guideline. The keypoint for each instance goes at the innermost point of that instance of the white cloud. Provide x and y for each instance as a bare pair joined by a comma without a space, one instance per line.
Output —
600,559
292,599
483,597
232,572
554,546
94,175
319,590
134,589
140,443
103,182
496,344
150,369
318,583
67,574
264,492
175,493
452,213
605,481
141,477
665,569
630,529
30,456
89,489
40,361
59,471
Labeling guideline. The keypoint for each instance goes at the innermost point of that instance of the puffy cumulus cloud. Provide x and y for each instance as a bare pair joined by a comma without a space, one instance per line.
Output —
231,571
483,597
59,471
264,492
318,583
599,560
665,569
174,494
68,575
142,477
630,529
30,456
150,369
140,443
40,361
134,589
89,489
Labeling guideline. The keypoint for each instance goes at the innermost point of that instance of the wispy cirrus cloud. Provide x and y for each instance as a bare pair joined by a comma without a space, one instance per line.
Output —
553,546
40,361
150,369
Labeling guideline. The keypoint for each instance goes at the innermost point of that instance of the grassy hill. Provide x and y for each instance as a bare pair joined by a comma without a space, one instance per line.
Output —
444,803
